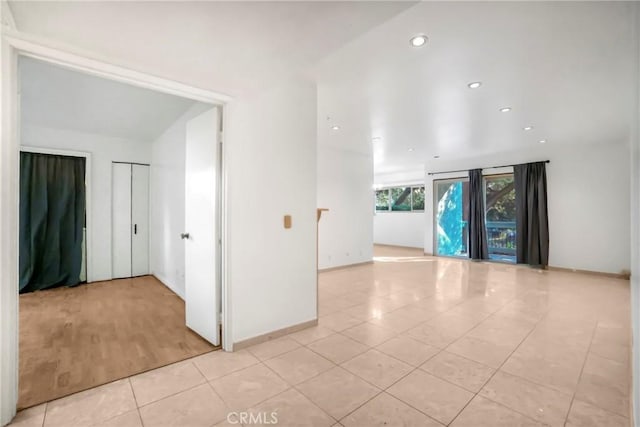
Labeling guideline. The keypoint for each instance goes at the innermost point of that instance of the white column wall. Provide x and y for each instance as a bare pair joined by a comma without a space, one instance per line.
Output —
270,144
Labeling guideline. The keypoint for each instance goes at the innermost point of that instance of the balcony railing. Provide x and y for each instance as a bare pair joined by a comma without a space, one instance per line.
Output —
501,237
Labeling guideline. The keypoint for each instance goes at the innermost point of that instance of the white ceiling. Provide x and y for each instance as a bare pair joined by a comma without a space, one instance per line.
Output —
59,98
565,68
230,47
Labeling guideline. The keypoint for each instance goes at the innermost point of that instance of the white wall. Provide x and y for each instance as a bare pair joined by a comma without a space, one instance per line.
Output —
167,203
104,150
414,176
588,203
400,228
345,182
270,143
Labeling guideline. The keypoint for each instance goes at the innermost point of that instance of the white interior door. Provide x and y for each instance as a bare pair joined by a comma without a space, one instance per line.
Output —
139,220
202,286
121,220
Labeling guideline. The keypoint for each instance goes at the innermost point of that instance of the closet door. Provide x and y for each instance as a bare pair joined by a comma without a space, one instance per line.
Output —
140,220
121,220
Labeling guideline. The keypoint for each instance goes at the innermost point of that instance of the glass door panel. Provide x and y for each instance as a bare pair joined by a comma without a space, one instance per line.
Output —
452,216
500,217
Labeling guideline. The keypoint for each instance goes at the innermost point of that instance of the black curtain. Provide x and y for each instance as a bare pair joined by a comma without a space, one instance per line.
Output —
52,213
532,221
478,246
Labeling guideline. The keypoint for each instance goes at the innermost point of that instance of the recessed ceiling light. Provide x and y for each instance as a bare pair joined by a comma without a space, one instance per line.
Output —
474,85
410,149
543,141
419,40
505,109
527,128
336,127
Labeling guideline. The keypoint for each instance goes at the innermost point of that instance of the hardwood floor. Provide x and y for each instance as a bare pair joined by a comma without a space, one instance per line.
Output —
72,339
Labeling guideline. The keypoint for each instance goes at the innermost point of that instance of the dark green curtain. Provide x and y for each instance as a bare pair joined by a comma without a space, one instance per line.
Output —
478,245
532,220
52,214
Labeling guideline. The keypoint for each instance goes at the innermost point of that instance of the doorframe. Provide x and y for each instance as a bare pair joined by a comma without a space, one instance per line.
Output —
13,43
87,203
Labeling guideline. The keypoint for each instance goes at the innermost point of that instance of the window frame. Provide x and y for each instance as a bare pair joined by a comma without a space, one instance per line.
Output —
390,201
375,199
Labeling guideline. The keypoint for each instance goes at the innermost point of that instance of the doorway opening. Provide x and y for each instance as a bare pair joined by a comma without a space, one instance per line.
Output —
144,302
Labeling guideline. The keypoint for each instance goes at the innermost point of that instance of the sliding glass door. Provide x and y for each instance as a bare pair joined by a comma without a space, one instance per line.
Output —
451,212
451,217
500,217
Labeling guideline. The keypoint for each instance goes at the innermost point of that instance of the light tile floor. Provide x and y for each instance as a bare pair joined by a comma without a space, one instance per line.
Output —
408,340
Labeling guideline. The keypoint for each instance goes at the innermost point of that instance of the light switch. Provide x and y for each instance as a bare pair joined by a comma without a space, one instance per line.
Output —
287,221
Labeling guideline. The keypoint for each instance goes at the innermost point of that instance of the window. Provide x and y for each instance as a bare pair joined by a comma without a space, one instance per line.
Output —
417,199
400,199
382,200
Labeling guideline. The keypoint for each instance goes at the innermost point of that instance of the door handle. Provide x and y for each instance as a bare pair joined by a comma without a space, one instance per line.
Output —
135,228
184,235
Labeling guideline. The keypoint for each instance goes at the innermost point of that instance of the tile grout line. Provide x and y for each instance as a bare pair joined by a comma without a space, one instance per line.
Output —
335,365
344,361
206,381
548,386
384,390
44,417
609,358
140,417
498,370
292,386
380,390
135,399
172,394
243,408
584,363
226,406
133,392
